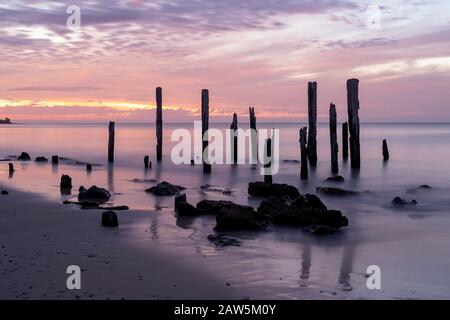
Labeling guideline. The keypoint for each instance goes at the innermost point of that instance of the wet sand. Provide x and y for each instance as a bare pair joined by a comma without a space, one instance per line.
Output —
39,239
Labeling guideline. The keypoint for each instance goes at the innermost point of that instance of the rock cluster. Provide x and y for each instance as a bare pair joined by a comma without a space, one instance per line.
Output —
165,189
288,207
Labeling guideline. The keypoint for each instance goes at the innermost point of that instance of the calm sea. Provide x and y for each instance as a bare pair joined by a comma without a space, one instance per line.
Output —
411,245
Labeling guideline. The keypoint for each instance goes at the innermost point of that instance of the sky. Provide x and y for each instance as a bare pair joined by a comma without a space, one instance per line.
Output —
259,53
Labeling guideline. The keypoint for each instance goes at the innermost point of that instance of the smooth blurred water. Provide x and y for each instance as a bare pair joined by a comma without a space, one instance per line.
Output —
411,245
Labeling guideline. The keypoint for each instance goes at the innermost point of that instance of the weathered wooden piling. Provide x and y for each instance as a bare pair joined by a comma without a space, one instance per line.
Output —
111,130
353,122
268,160
333,140
159,124
55,159
312,120
254,135
146,162
89,167
11,167
234,138
205,127
303,154
345,140
385,150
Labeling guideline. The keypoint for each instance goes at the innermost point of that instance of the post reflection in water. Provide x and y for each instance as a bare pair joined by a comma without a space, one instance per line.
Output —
306,263
158,169
348,257
110,178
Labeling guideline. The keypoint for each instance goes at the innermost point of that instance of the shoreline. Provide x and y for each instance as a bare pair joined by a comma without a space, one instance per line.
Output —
40,239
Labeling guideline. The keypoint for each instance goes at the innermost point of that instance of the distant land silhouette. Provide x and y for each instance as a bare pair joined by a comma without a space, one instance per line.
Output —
5,121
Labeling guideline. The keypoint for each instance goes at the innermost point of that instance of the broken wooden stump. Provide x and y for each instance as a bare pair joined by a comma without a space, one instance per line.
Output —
55,159
268,161
11,168
147,162
111,130
353,122
89,167
303,154
333,140
345,140
234,139
312,120
159,124
254,136
205,127
385,150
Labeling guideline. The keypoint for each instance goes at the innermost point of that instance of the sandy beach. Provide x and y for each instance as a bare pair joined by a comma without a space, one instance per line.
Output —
39,239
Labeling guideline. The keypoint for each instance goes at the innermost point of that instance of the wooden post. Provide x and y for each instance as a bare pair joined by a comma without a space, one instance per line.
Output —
146,162
268,160
89,167
111,142
234,138
345,141
353,122
55,159
385,150
159,125
254,135
304,154
205,127
333,140
11,168
312,119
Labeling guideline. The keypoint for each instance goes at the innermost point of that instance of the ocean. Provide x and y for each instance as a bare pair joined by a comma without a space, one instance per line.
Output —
411,245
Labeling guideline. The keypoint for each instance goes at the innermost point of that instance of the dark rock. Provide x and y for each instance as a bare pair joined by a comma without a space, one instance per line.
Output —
24,157
298,217
397,201
180,198
222,240
94,193
336,179
165,189
336,191
238,217
41,159
81,189
109,219
314,202
117,208
185,209
423,187
304,212
262,189
4,192
66,182
213,207
273,207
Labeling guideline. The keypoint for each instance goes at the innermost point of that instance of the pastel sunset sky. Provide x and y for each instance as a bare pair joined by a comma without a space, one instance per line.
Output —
259,53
